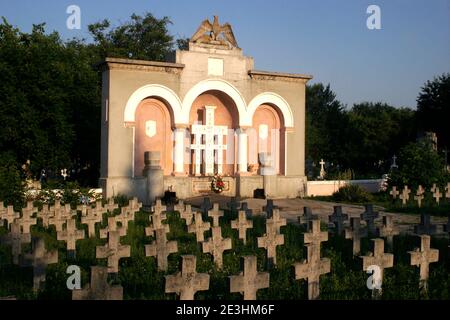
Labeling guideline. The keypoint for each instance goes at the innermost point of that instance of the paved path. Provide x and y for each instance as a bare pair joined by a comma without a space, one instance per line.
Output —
292,208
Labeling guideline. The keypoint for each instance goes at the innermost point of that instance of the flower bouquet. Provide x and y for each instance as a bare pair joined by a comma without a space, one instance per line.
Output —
217,184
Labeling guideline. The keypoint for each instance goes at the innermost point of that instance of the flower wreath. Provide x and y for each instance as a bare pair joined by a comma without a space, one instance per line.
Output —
217,184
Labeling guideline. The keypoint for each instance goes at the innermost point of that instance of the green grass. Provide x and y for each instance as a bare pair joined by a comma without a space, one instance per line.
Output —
141,279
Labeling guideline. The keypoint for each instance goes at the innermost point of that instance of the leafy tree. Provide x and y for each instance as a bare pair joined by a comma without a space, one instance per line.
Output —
419,164
377,132
325,124
144,37
433,108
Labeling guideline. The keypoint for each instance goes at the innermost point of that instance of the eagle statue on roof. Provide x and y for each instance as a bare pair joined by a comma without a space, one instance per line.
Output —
214,33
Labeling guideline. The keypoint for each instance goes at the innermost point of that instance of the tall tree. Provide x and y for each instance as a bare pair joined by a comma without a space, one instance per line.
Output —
377,132
433,108
144,37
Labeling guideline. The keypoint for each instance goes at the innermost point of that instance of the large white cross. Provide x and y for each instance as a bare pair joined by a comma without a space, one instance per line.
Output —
210,132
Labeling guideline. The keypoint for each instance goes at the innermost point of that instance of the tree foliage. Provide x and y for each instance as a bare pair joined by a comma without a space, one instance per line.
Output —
50,97
419,164
433,108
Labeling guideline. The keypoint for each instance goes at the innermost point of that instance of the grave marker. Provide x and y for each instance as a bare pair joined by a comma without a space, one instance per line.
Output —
99,289
277,220
188,281
369,217
249,281
215,214
355,233
338,219
270,241
394,192
388,231
311,269
419,196
39,259
15,239
27,221
199,227
405,195
112,226
242,224
216,245
70,235
425,226
423,258
113,251
161,248
380,259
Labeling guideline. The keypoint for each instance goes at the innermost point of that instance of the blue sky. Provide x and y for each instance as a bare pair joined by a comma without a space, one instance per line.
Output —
328,39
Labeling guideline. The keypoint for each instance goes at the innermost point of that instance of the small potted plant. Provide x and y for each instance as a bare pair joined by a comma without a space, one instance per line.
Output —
217,184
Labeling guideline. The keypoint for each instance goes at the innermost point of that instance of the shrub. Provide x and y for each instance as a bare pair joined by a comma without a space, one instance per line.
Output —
419,164
11,184
352,193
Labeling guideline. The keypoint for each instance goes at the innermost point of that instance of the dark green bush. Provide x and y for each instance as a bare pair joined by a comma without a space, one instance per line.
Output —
352,193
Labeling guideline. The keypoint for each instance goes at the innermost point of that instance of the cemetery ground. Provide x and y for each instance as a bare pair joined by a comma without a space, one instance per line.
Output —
140,278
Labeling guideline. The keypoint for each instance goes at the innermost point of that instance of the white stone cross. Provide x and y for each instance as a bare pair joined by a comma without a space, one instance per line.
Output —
111,206
70,235
61,215
388,231
187,214
242,224
39,259
355,232
209,131
157,220
447,191
404,196
161,249
26,221
322,169
423,258
99,289
187,282
199,227
394,192
113,251
250,280
311,269
381,260
112,226
277,220
15,239
91,219
437,195
270,241
216,245
215,214
419,196
45,214
10,215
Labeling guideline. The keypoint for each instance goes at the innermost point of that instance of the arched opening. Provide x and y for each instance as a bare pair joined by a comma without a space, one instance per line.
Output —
153,132
267,134
225,114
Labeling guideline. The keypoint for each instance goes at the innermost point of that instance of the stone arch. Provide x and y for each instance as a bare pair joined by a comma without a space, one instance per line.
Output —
271,139
160,92
277,101
153,132
214,85
225,114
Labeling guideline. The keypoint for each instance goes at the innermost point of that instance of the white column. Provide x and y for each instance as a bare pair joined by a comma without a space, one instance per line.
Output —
178,152
242,150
